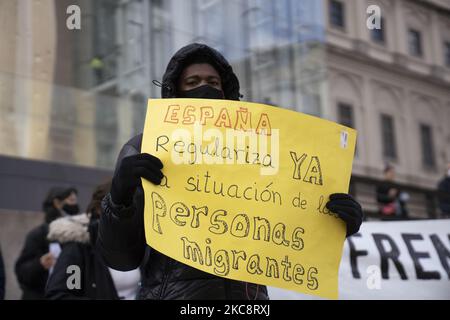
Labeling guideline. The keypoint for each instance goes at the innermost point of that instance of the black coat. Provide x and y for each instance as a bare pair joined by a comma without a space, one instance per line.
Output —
31,275
121,237
76,236
444,195
383,198
2,277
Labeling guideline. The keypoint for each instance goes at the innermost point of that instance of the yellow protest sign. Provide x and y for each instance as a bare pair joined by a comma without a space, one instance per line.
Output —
244,191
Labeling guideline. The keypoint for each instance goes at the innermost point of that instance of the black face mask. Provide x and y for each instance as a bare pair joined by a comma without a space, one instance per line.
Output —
202,92
71,209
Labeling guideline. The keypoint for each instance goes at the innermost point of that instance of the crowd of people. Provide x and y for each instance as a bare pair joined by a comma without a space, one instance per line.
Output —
106,243
68,237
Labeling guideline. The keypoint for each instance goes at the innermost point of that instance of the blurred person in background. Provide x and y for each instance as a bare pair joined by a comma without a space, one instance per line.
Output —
35,260
77,236
97,67
391,200
2,277
444,194
195,71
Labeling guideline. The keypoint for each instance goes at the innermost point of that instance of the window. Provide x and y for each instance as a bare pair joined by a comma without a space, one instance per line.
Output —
337,14
106,127
426,139
388,137
447,54
346,118
139,109
212,21
282,21
415,43
377,35
134,35
104,45
345,115
160,38
262,25
311,104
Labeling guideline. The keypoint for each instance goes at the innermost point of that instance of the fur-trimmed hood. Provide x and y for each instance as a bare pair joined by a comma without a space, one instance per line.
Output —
70,229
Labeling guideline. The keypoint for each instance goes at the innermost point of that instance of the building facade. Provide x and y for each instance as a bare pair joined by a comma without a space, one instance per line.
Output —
393,86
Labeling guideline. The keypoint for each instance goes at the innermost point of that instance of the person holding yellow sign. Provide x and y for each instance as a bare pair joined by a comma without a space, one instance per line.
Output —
195,71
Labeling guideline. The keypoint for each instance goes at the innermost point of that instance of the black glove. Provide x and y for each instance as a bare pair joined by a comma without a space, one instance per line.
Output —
128,176
348,209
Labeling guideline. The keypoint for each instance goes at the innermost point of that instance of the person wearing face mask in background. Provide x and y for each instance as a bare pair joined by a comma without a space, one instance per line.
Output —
77,235
444,194
195,71
36,258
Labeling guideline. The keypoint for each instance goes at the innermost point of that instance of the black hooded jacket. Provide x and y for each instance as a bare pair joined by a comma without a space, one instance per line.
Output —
77,235
31,275
121,238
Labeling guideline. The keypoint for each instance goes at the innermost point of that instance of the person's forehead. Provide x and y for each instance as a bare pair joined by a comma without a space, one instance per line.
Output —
200,69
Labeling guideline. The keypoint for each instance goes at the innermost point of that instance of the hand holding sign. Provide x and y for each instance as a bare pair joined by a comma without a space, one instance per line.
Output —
347,209
128,175
245,191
